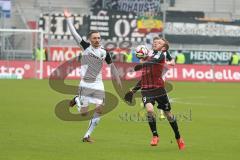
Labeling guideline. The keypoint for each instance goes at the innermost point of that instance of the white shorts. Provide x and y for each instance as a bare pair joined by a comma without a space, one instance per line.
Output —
91,93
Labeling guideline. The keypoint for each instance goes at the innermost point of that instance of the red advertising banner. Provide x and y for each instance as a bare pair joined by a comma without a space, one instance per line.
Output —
227,74
61,54
61,70
18,69
207,73
71,70
57,53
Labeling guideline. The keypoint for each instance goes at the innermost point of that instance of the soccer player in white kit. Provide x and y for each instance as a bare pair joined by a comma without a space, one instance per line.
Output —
91,88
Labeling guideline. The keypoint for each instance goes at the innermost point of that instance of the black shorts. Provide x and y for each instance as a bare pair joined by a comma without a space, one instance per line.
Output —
158,95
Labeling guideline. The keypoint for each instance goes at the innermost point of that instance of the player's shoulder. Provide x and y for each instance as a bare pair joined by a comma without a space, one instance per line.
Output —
157,55
102,47
103,50
84,44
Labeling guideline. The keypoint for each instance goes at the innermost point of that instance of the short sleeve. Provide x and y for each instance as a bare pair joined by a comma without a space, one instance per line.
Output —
84,44
108,58
168,56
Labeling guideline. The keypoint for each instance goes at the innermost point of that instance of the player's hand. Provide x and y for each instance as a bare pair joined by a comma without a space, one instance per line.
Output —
66,13
138,67
171,63
129,96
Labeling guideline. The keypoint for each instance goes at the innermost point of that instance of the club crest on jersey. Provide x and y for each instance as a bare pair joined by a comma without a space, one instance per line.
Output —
92,55
156,56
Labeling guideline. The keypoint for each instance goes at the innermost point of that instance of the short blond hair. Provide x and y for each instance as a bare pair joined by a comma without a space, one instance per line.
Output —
90,33
166,43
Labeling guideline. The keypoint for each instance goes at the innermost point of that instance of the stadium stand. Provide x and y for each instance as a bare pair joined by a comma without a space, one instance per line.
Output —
26,14
206,5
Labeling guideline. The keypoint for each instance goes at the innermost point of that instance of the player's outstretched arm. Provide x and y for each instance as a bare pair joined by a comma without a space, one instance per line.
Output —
115,74
137,86
170,60
129,95
72,29
138,67
113,69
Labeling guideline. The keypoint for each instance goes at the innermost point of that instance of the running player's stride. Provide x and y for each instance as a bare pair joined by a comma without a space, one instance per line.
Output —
91,88
152,87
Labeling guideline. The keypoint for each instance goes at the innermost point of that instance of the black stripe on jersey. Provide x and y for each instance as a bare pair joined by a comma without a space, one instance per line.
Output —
108,58
168,56
147,74
84,44
152,74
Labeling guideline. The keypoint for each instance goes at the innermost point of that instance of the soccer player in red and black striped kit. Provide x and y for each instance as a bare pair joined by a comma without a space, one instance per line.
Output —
152,87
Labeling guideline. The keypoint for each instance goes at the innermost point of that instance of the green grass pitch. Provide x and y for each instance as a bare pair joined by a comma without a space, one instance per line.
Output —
29,128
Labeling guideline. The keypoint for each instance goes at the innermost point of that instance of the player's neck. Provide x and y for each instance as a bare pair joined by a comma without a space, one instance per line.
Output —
95,47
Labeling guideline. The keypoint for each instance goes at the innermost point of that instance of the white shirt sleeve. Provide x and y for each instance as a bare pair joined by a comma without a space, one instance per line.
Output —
72,29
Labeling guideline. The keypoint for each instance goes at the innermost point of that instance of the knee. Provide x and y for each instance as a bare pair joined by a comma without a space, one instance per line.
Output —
150,113
84,111
98,110
170,116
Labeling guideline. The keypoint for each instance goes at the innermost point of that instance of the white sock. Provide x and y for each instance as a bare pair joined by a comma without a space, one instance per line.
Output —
161,113
92,124
77,100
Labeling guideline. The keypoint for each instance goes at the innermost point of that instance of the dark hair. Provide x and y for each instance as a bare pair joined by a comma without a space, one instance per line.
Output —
90,33
166,45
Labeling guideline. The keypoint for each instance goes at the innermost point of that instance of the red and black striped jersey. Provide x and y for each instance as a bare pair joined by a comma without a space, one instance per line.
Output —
152,70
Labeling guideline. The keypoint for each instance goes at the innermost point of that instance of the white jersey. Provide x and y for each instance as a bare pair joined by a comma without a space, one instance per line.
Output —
91,61
91,66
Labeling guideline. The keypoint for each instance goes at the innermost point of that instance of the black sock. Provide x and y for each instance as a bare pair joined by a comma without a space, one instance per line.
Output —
152,124
174,126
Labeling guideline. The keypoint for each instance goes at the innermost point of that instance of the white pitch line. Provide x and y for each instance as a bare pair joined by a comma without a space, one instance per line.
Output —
187,102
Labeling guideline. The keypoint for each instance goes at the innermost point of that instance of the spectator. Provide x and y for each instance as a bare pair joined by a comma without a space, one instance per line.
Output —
40,54
128,56
234,59
180,58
